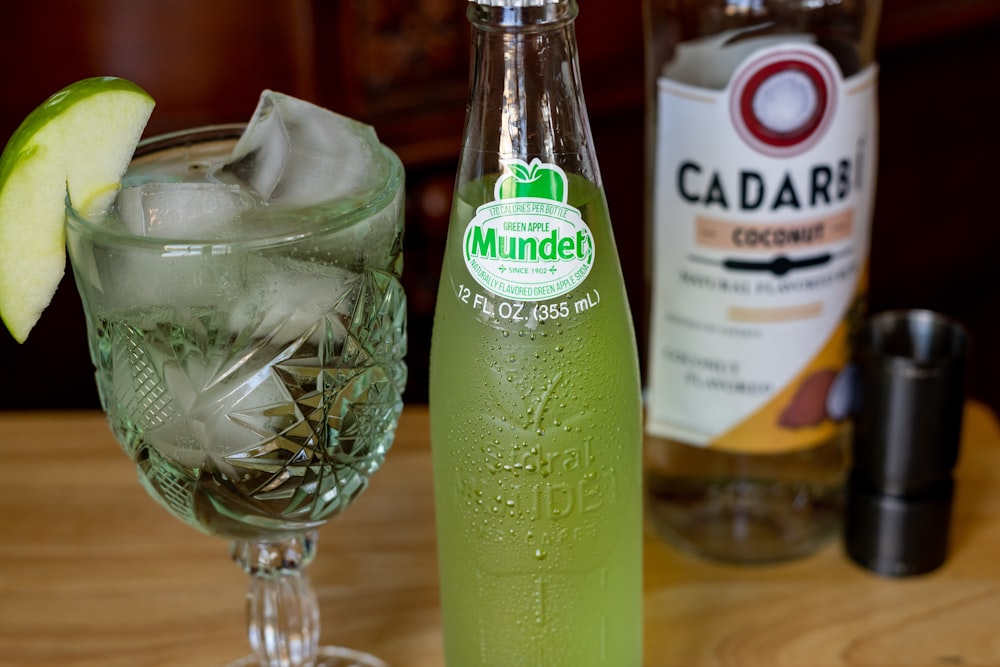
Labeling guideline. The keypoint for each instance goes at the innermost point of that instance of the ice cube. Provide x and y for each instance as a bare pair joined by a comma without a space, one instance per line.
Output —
296,154
373,241
181,441
189,211
290,298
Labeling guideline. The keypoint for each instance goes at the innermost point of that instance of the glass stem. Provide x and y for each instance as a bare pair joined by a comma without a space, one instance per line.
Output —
282,610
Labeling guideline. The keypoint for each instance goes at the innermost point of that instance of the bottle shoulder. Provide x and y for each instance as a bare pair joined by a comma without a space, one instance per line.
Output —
683,33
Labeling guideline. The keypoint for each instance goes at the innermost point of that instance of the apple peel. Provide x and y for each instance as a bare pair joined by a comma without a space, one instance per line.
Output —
80,142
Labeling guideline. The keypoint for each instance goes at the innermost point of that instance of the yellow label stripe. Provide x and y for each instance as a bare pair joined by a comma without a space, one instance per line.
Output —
803,311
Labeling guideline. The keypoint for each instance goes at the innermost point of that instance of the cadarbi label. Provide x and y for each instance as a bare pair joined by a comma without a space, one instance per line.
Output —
529,244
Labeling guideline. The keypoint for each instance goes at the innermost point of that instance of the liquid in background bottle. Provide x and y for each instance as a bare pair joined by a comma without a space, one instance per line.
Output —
761,181
535,402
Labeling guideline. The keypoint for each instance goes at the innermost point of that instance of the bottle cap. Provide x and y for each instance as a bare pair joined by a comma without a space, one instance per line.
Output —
515,3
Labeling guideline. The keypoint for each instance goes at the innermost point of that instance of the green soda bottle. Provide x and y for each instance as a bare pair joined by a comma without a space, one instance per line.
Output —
534,382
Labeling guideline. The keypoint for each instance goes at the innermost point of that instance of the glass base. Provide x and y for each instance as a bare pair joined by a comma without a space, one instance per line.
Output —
741,507
744,522
327,656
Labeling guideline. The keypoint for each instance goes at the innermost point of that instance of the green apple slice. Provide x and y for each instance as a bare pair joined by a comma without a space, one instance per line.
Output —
80,139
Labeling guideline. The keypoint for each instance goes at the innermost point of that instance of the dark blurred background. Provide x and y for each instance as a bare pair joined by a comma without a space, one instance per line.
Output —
402,65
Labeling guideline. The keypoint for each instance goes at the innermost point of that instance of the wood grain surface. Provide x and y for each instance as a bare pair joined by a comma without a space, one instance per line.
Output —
94,573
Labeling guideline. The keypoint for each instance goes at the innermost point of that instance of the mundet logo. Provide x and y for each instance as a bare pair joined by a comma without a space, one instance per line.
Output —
529,244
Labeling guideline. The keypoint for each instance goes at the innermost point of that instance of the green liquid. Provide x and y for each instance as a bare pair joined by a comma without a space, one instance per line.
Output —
536,434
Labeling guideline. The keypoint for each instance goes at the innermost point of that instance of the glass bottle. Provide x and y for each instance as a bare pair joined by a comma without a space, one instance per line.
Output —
535,399
762,129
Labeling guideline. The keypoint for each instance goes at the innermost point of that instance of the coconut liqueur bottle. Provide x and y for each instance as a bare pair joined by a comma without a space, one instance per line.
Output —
761,181
534,389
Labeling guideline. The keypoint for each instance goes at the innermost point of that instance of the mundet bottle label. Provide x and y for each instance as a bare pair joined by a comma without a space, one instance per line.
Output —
762,206
528,244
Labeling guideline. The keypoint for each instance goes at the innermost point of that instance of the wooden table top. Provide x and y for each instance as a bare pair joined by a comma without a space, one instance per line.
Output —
94,573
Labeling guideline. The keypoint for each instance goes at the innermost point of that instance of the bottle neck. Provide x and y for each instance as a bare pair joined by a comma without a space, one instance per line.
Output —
520,17
847,30
526,99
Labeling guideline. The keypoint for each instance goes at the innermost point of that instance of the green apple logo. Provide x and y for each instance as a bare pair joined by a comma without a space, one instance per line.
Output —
535,179
528,244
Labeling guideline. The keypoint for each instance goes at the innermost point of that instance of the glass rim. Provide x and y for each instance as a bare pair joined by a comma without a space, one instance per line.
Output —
393,183
520,15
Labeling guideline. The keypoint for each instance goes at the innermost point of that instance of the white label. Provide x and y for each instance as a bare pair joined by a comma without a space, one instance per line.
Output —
529,244
762,206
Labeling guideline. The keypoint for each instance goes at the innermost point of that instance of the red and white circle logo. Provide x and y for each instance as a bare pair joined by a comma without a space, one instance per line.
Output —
783,102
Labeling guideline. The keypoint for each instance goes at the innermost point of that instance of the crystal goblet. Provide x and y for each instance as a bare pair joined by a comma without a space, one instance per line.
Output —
249,360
